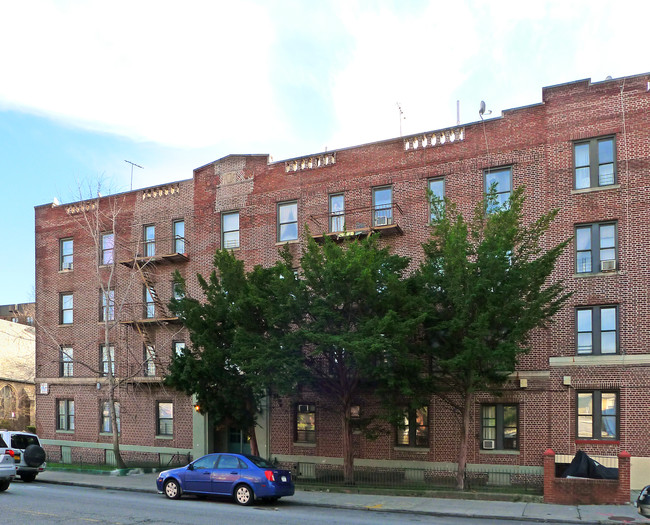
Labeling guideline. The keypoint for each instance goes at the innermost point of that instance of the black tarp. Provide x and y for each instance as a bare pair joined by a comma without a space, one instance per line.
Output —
583,466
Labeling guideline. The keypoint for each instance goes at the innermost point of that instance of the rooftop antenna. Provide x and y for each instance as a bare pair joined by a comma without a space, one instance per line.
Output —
137,166
401,117
457,112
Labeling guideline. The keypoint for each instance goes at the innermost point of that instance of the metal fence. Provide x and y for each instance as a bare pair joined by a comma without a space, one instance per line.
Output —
484,478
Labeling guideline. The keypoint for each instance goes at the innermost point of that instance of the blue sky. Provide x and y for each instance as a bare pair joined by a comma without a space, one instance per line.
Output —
85,85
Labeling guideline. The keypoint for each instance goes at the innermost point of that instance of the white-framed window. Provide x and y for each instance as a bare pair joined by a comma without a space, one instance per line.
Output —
149,241
149,304
107,255
107,307
66,361
287,221
66,308
178,227
436,188
230,230
106,360
500,426
337,212
178,348
382,206
105,425
305,423
66,249
165,418
149,361
65,414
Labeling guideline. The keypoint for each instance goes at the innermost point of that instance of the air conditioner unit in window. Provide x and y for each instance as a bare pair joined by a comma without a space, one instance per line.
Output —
232,244
608,265
381,221
67,266
303,408
488,444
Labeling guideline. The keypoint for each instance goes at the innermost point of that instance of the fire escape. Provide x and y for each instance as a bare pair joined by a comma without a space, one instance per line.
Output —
146,316
383,219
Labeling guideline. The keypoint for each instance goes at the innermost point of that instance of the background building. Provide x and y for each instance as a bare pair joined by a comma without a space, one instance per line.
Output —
583,150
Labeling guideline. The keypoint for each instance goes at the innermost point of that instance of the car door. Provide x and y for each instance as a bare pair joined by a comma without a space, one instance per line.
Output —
198,478
226,474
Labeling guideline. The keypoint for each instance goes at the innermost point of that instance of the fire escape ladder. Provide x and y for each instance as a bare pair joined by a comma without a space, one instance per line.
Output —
147,276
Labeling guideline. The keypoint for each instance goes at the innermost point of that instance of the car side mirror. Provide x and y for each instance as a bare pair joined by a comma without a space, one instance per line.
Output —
190,466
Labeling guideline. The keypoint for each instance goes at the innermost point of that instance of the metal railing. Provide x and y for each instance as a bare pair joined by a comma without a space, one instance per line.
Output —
483,478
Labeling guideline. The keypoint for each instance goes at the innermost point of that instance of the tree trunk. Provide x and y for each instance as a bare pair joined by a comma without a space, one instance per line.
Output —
464,431
116,435
255,451
348,449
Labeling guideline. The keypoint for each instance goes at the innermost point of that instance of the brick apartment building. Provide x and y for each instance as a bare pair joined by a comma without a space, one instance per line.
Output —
585,385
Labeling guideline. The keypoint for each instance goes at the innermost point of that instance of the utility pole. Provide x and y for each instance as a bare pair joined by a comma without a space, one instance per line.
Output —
137,166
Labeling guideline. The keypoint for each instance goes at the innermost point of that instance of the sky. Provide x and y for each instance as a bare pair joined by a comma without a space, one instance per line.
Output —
172,86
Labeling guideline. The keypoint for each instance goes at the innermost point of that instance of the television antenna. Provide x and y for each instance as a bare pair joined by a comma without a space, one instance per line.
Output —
137,166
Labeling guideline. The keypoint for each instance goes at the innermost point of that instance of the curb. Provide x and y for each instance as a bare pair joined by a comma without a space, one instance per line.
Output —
364,508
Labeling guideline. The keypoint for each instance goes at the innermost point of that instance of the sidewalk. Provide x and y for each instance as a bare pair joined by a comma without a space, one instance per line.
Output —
534,512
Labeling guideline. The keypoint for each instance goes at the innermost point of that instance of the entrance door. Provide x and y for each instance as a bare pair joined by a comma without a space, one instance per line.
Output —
238,442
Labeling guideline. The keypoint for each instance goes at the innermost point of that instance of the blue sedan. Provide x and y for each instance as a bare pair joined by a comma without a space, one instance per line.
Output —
241,476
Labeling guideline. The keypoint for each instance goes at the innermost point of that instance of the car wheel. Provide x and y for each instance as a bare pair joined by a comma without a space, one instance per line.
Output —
244,495
34,456
4,485
28,478
172,489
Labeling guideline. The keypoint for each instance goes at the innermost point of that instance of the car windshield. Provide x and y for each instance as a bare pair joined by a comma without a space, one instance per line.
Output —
23,440
260,462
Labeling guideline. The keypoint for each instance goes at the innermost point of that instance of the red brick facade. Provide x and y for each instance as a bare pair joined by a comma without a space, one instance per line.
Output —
537,143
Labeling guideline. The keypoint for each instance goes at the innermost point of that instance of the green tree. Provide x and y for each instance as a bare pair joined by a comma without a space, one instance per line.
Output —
239,337
484,285
352,328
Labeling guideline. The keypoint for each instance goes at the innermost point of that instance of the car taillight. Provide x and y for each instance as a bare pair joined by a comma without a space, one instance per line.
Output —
269,475
11,453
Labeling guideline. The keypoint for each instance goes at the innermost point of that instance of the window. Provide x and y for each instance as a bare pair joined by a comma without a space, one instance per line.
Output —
106,359
149,361
179,237
305,423
65,308
65,414
499,181
596,248
165,419
337,213
597,415
597,330
178,292
594,163
106,426
500,427
178,347
230,229
7,404
107,307
414,431
382,206
287,221
66,361
65,250
149,240
108,248
436,192
149,305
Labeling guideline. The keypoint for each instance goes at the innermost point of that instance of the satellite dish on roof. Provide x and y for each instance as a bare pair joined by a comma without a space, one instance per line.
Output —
482,111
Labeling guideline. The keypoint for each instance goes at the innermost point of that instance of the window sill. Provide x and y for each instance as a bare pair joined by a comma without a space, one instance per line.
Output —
109,434
414,450
66,271
499,452
595,188
160,436
61,325
292,241
597,442
305,445
595,274
65,431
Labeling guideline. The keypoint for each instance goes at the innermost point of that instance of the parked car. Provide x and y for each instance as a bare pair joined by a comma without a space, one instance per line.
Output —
643,502
28,454
7,470
240,476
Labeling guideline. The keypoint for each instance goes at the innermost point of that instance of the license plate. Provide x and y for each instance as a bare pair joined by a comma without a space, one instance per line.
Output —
284,478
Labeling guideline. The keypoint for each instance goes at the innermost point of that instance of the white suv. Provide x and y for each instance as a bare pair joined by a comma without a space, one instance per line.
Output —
29,456
7,471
